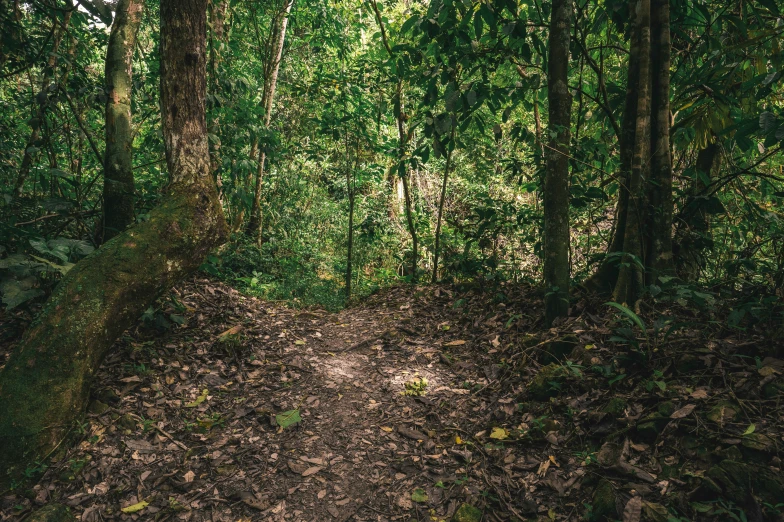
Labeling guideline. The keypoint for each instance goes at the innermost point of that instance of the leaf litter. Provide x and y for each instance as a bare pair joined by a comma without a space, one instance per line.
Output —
253,411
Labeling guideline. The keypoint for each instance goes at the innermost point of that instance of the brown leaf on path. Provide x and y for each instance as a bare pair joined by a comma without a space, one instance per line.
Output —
683,412
458,342
633,510
311,471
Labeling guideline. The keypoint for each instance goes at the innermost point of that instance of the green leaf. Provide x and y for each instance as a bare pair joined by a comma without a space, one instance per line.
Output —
750,429
419,496
63,269
201,398
135,507
288,418
628,313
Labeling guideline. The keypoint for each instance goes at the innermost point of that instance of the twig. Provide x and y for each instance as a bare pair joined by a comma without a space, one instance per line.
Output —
163,432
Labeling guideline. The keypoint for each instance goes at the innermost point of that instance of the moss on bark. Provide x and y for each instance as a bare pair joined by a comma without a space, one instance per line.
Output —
44,385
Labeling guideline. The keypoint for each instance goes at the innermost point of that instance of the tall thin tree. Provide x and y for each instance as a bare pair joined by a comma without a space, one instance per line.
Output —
268,96
556,183
118,183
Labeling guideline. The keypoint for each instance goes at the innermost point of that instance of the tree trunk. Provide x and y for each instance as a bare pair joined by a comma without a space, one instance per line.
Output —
402,139
436,248
41,104
44,386
631,275
693,237
659,259
411,228
350,248
556,183
254,224
606,275
118,184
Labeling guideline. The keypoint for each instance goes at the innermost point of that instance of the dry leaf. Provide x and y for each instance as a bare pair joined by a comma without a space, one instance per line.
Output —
189,476
683,412
311,471
633,510
459,342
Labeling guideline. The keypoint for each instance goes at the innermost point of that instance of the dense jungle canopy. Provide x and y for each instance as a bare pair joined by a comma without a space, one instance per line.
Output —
538,244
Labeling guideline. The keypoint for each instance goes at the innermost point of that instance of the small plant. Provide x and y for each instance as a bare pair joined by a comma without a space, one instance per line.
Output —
416,387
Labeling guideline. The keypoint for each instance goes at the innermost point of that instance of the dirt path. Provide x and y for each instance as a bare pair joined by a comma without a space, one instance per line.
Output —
185,421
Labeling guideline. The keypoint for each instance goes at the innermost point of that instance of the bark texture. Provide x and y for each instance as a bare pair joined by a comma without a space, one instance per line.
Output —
118,184
641,248
603,280
556,182
44,386
660,203
631,274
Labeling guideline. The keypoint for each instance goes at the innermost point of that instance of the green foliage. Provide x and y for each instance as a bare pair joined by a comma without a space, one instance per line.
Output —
466,77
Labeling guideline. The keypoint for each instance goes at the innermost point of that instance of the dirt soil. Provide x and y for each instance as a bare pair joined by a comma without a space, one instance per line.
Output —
407,407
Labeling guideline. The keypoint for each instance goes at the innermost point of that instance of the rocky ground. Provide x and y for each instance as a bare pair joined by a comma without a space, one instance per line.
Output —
428,404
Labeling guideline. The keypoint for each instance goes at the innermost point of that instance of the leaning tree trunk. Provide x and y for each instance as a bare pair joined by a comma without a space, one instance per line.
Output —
44,386
659,260
254,224
118,184
556,182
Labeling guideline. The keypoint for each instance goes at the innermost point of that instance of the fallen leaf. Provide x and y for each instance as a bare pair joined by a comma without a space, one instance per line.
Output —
189,476
311,471
201,398
683,412
633,510
499,433
458,342
288,418
701,393
135,507
419,495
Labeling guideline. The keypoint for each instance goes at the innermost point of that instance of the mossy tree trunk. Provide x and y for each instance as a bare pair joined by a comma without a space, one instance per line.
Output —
603,280
118,184
44,386
556,182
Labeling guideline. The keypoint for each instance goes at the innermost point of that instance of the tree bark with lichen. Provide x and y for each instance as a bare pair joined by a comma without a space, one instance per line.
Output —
44,386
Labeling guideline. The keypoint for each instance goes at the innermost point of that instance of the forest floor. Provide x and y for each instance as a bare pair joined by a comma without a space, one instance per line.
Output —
419,404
